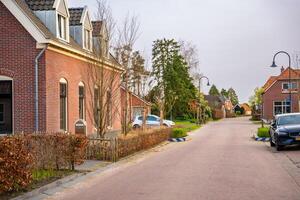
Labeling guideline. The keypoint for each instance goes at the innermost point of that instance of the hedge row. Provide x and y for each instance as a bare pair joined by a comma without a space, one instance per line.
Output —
141,141
20,155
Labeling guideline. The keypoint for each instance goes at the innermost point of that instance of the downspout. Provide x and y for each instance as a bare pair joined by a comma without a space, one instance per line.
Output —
36,71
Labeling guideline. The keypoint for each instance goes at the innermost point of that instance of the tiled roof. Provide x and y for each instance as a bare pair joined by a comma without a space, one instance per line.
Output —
97,25
295,74
75,16
40,4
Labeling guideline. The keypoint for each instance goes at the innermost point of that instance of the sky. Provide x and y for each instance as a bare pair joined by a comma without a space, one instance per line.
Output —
236,39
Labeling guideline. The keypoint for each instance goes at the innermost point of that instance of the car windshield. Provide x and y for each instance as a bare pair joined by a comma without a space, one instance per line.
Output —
289,120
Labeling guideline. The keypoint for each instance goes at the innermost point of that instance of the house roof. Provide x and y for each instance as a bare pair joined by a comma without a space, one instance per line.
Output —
246,107
138,97
75,16
284,75
214,101
26,5
36,5
97,25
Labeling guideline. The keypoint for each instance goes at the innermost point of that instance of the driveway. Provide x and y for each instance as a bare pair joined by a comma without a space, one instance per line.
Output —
219,161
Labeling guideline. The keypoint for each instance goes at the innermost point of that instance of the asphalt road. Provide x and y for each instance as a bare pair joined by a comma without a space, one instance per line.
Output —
220,161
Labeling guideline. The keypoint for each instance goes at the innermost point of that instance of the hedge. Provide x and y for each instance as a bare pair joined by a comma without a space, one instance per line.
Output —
20,155
263,132
179,133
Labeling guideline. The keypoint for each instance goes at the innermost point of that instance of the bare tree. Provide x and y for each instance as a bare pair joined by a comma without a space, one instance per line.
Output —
104,14
127,35
190,53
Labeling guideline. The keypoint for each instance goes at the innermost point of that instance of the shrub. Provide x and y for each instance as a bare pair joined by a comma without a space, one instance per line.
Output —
22,155
15,164
263,132
194,121
179,133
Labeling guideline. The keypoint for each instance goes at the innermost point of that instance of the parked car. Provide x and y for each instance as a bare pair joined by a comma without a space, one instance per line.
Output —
285,130
151,120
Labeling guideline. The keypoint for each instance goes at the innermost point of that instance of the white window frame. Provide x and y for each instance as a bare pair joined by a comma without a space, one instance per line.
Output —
290,87
62,25
283,106
81,84
64,81
87,39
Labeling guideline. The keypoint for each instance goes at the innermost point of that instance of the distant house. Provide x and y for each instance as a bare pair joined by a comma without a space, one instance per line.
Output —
243,109
247,109
217,104
137,105
228,106
276,94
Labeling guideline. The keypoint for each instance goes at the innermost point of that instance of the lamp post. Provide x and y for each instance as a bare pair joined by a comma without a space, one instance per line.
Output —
208,84
290,86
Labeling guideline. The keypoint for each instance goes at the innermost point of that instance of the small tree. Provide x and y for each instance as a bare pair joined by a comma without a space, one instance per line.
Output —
214,91
233,96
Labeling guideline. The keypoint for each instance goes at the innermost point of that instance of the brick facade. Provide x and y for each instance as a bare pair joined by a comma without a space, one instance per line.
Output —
18,51
17,54
274,93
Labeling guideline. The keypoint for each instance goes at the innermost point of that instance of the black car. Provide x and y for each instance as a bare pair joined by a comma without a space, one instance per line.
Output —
285,130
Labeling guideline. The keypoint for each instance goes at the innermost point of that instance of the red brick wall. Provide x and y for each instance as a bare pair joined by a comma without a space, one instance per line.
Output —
275,94
76,71
17,54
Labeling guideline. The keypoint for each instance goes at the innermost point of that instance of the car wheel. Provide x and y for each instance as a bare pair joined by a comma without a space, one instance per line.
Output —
165,125
136,126
278,147
271,142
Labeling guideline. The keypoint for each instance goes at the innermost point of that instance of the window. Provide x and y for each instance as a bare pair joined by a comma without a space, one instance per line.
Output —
109,108
81,101
285,86
63,104
62,27
87,39
152,118
96,106
281,107
1,113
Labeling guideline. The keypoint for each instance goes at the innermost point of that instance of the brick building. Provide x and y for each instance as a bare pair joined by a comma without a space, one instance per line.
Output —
276,94
53,60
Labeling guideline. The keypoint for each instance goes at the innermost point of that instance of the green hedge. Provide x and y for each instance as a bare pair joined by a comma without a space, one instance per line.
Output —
179,133
263,132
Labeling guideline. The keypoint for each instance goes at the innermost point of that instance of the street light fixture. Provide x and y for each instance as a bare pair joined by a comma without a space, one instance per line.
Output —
208,84
290,86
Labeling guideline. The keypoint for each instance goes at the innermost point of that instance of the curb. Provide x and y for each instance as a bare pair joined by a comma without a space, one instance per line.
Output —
177,139
43,189
262,139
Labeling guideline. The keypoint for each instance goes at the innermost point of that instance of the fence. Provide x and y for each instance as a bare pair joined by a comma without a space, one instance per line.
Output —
115,148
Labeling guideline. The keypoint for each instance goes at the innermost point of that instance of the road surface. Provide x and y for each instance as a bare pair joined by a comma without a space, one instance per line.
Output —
220,161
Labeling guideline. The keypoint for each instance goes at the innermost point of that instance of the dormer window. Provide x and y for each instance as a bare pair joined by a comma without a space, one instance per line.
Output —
87,39
62,27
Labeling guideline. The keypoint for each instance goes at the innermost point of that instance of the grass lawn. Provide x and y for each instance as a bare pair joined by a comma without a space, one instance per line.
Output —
39,179
186,125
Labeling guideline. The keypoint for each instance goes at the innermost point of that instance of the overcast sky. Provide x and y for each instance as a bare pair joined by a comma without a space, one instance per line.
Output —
236,39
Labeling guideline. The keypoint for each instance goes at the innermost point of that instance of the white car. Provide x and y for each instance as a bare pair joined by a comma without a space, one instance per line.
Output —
152,120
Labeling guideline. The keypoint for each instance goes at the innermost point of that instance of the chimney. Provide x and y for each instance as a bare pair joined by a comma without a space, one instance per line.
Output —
282,69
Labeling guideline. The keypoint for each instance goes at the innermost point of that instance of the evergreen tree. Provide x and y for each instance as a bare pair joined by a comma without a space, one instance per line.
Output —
214,91
233,96
224,93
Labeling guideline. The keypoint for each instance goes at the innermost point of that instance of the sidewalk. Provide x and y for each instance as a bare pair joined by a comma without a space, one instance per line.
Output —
84,170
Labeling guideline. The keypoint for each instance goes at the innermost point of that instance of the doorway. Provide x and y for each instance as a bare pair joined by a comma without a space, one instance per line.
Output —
6,115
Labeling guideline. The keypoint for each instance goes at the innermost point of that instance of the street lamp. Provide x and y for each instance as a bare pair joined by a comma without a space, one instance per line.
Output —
208,84
290,86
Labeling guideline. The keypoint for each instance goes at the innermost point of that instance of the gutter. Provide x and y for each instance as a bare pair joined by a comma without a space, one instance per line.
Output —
36,98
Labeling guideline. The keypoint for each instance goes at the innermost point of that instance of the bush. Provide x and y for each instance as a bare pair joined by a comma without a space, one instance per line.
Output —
22,155
194,121
179,133
263,132
15,164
